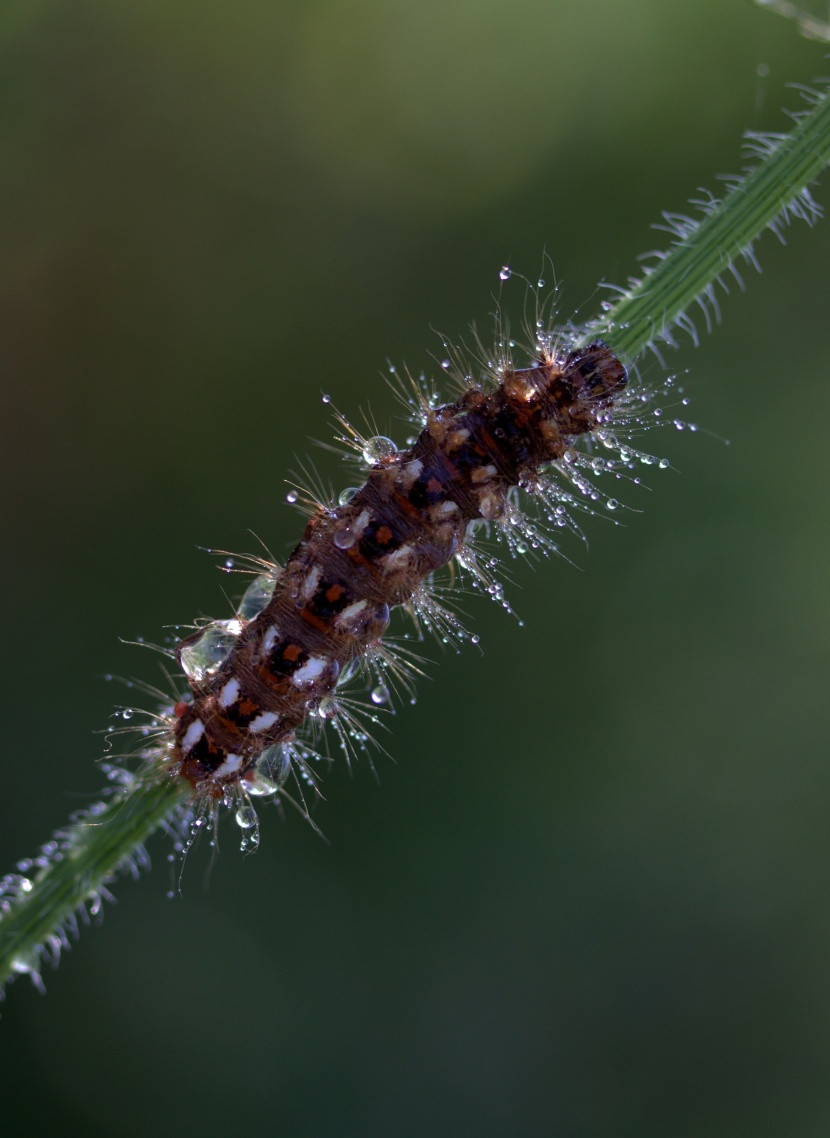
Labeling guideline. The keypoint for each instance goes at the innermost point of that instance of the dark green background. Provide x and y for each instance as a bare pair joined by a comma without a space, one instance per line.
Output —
591,897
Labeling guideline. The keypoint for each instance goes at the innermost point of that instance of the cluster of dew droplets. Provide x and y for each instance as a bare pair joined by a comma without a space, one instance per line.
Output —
374,452
630,414
659,415
248,822
204,655
185,828
632,410
265,780
202,658
580,469
15,888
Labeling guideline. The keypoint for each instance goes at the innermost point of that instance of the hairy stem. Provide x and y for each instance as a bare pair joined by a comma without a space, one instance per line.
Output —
711,247
92,852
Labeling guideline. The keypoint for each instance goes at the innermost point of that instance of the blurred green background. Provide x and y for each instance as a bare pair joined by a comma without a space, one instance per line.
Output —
591,896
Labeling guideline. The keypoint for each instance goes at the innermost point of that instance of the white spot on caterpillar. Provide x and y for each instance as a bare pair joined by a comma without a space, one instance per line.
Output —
490,507
193,734
263,721
409,474
443,509
363,519
519,385
350,612
311,582
230,766
398,557
482,473
457,438
310,671
269,639
229,693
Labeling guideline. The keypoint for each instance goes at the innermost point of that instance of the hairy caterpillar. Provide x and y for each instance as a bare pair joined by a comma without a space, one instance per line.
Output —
264,683
331,603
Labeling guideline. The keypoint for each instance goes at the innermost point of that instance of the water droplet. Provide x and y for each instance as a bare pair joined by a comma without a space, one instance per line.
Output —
327,708
250,841
291,497
326,398
378,448
24,965
259,786
445,364
273,766
229,563
344,537
127,713
611,504
380,694
521,547
540,283
504,273
203,655
348,673
663,463
246,817
256,596
346,495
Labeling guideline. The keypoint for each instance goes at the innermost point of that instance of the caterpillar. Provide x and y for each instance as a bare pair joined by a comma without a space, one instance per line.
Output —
331,604
263,684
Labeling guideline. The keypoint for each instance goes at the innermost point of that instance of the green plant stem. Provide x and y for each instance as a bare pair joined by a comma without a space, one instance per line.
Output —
638,318
97,848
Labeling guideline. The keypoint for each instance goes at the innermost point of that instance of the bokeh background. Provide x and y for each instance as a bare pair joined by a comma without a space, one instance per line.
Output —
591,896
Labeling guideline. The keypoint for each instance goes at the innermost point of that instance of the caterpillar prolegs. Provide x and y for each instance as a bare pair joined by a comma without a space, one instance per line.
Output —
261,680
